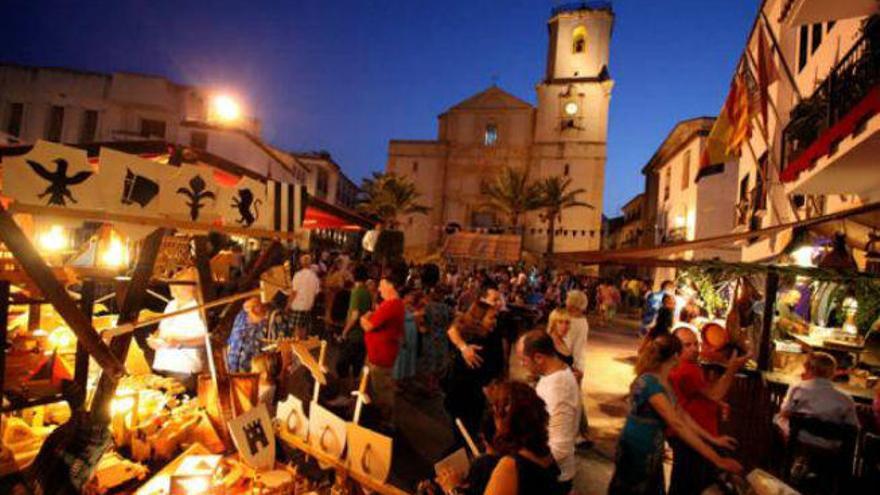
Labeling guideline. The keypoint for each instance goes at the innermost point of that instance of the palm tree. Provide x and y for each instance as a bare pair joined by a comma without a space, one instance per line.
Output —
555,198
511,193
387,196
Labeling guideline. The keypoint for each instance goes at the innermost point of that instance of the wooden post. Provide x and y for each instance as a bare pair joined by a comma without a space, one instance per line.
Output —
214,347
270,257
133,301
321,355
361,394
4,322
203,266
55,294
771,287
81,361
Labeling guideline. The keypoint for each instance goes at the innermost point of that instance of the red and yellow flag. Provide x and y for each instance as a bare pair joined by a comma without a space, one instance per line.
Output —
730,130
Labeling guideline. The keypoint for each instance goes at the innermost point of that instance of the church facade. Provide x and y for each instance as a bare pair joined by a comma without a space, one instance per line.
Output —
563,135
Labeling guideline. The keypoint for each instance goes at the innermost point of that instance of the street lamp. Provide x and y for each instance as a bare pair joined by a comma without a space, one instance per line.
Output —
225,109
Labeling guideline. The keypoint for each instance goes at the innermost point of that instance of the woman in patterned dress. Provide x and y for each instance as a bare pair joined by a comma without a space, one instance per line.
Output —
639,460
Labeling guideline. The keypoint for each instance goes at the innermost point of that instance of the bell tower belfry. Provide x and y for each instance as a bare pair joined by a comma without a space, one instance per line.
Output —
571,121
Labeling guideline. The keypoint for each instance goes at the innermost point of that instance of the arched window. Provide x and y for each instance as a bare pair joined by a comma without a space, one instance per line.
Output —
579,40
491,136
565,169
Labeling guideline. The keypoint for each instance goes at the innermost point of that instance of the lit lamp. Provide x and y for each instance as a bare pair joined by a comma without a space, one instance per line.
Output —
54,240
61,339
224,109
54,243
803,256
112,249
850,308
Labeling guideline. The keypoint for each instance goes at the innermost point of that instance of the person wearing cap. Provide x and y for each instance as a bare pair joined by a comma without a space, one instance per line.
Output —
180,340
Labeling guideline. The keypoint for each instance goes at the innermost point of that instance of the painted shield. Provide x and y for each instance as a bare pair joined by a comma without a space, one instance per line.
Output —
369,453
327,431
254,437
292,418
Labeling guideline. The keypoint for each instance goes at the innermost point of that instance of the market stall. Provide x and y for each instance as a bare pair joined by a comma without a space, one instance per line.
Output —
811,297
88,277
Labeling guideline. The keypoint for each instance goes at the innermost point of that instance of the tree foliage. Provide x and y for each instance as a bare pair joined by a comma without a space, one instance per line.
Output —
388,196
556,197
511,193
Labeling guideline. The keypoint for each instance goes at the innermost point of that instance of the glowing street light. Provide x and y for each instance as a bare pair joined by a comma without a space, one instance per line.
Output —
225,108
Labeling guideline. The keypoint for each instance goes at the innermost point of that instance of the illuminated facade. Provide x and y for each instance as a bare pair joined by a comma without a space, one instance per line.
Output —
563,135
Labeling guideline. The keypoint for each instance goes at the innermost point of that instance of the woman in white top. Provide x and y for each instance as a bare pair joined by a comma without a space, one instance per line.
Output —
571,339
180,340
569,328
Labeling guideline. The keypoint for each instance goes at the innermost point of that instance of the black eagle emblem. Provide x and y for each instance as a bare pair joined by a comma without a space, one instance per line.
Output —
59,182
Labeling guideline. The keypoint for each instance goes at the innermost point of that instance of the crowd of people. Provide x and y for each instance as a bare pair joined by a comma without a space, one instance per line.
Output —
451,333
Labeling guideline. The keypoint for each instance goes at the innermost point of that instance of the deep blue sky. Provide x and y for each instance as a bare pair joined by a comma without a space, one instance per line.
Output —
348,75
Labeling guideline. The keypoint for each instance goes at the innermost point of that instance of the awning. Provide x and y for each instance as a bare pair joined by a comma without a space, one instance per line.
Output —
318,219
323,215
862,214
483,247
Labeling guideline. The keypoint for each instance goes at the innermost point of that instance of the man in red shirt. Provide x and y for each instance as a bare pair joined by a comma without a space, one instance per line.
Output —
703,400
383,331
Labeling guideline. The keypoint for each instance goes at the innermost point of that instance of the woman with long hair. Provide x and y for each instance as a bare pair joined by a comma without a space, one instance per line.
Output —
479,361
639,459
521,439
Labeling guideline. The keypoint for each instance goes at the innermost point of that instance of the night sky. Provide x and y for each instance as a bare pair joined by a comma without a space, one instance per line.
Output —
348,75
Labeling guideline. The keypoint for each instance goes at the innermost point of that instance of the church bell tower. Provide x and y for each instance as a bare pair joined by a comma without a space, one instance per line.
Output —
572,118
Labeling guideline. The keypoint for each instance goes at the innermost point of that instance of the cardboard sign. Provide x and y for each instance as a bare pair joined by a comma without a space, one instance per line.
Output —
254,437
457,461
369,453
292,418
327,431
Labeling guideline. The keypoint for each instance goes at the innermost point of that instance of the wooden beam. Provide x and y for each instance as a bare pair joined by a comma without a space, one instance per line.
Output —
269,257
214,347
132,302
4,327
203,267
771,287
108,217
30,260
81,361
673,248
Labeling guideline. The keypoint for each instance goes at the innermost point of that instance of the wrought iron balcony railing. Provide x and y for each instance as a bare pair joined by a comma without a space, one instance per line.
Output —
848,83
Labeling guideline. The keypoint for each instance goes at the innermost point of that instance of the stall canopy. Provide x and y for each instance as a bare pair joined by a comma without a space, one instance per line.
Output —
323,215
483,247
864,217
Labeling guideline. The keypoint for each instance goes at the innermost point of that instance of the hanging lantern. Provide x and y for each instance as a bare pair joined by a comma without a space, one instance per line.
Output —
112,249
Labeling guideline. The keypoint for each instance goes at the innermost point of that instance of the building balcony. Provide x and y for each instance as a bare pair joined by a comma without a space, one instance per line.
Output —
799,12
836,129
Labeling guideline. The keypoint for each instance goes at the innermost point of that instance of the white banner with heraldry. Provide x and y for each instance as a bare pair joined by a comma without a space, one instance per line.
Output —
130,184
254,437
244,204
52,176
